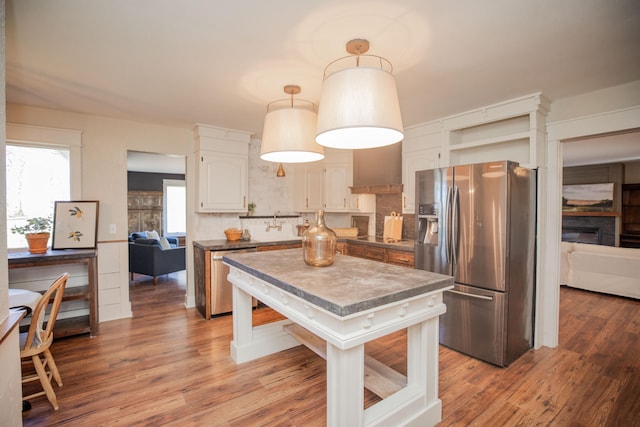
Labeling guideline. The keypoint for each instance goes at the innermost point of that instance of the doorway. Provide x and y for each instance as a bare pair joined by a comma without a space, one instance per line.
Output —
601,150
156,202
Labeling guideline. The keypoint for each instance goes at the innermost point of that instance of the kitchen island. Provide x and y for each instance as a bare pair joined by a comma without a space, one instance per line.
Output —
347,304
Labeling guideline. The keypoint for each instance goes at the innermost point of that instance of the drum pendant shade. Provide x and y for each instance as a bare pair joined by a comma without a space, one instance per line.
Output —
359,108
289,131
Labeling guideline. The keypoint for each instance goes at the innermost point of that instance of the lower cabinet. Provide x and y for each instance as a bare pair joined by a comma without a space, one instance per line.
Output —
279,247
377,253
402,258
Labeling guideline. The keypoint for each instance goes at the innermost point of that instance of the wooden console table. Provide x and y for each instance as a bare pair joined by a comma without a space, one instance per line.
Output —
89,292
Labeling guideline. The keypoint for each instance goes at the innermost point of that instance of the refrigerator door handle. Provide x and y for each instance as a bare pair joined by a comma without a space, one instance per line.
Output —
455,224
483,297
447,240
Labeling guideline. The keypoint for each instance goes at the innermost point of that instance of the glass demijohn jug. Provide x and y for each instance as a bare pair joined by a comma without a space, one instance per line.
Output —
319,243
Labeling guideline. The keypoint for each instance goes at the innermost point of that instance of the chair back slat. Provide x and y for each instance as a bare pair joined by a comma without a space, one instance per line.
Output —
54,296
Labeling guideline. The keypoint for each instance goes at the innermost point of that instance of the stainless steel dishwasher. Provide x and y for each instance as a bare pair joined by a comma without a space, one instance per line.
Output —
221,294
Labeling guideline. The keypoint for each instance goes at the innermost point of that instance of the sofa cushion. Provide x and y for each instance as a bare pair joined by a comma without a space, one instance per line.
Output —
147,242
164,243
153,235
138,235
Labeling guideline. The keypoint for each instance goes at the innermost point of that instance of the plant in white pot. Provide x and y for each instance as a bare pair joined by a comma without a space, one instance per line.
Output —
37,232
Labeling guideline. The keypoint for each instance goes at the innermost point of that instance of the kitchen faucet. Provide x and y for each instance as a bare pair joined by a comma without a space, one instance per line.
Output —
275,223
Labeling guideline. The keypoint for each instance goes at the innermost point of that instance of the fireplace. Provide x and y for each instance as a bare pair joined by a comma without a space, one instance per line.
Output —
589,229
581,235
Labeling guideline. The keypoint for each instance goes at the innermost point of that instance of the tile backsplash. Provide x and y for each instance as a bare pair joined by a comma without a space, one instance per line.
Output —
387,203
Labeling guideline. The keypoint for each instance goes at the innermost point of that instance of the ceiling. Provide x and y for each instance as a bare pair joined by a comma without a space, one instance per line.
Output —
220,63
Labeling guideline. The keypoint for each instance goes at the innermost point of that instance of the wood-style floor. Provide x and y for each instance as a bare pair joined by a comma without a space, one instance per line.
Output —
167,366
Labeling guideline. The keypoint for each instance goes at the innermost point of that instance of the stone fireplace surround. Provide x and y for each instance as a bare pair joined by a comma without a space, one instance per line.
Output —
589,229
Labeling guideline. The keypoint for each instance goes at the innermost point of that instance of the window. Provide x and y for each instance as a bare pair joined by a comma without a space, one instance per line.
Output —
36,177
175,202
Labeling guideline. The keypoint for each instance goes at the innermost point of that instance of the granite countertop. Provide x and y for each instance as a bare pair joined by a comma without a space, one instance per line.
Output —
350,285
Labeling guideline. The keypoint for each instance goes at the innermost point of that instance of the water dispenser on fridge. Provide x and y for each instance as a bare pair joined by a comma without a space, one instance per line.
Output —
428,224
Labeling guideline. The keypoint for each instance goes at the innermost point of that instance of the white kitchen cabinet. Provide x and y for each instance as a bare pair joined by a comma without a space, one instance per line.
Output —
308,186
337,180
421,150
324,184
364,203
223,166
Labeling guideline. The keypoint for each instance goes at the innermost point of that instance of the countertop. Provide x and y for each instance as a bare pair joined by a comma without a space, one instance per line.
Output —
225,245
348,286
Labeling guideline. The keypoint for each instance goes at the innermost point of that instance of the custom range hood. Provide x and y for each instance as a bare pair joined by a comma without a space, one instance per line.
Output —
377,170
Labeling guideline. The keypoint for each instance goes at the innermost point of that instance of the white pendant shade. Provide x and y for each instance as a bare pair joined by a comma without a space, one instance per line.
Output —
359,108
289,132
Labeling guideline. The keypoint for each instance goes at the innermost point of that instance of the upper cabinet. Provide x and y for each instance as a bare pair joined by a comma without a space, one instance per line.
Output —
511,130
324,184
222,162
308,186
421,150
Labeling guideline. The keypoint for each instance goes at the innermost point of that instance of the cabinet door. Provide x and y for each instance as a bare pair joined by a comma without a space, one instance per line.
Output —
307,187
315,186
415,161
337,179
365,203
222,182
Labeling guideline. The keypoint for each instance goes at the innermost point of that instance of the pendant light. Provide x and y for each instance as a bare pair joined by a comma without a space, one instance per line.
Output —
289,131
359,105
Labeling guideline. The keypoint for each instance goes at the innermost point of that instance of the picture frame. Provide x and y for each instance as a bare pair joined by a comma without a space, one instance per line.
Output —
588,197
75,224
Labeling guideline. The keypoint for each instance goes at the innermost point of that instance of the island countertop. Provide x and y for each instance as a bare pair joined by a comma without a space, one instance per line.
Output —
350,285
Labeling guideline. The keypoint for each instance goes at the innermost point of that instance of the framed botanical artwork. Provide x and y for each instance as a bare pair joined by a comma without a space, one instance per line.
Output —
75,225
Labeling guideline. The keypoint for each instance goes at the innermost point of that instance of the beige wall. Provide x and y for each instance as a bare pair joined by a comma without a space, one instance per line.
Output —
632,172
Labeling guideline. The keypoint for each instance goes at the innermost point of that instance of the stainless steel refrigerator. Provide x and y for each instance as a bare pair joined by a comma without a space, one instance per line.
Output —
477,223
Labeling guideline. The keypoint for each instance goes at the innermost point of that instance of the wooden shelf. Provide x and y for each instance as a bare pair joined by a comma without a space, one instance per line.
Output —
570,213
71,326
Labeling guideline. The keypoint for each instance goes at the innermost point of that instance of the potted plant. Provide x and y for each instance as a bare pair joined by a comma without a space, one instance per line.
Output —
252,208
37,232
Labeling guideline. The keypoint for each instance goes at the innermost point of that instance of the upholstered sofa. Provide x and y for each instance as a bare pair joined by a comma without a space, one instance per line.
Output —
147,256
599,268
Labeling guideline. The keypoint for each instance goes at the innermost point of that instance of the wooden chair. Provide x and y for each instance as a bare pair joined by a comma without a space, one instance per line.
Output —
35,344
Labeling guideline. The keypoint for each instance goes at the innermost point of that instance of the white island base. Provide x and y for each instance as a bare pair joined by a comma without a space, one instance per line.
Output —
406,401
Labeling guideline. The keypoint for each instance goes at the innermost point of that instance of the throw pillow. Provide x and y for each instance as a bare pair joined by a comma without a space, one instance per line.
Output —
164,243
153,235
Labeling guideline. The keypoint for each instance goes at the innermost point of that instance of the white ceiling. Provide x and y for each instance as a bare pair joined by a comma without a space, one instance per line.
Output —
220,63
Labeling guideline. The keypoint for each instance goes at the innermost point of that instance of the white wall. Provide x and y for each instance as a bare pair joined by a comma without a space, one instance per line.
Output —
10,386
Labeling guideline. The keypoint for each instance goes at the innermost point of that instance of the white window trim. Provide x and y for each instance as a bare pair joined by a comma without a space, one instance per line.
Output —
170,183
38,136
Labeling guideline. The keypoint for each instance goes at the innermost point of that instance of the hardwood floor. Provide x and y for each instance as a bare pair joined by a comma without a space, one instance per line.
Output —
168,366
